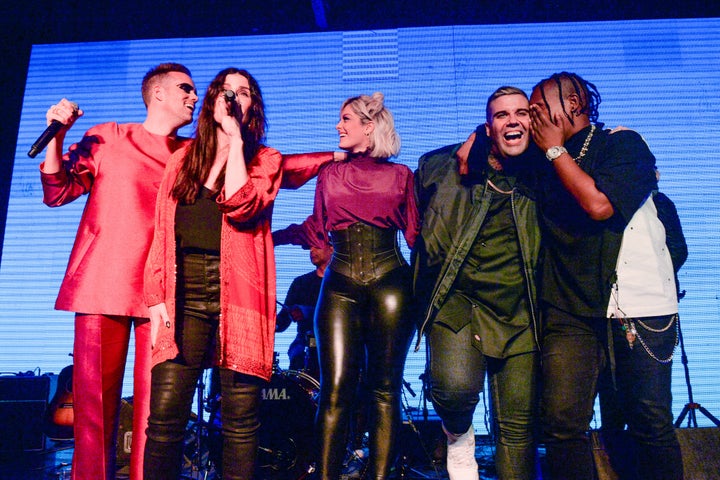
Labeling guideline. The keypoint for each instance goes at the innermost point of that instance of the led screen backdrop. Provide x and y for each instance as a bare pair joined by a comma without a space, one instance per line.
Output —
658,77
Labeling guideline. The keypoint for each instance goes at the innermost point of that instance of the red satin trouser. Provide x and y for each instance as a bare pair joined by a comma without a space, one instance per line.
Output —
99,357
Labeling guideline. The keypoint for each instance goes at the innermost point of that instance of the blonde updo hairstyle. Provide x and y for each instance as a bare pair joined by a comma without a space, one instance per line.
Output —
384,140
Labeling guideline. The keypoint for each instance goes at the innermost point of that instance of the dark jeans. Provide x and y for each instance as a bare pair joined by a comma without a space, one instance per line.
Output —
457,374
361,326
574,353
174,382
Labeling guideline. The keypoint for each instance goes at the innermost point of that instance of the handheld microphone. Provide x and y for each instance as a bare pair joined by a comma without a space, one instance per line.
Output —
48,135
235,108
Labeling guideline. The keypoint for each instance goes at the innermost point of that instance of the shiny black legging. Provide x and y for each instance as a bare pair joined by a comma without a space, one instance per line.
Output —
362,325
174,381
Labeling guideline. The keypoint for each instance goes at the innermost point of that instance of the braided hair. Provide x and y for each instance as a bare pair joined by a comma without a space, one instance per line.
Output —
588,93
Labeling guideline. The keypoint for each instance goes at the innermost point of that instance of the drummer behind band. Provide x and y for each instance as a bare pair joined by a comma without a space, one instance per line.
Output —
300,307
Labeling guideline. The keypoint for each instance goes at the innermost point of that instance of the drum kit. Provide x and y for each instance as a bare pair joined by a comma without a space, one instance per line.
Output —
286,440
287,415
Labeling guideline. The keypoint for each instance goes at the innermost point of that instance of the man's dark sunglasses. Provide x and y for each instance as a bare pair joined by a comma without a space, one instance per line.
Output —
187,88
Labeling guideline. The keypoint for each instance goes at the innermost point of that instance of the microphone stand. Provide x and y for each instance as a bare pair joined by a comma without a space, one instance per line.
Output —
201,462
405,467
690,407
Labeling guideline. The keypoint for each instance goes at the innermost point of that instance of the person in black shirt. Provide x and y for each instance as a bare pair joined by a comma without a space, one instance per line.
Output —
299,307
608,293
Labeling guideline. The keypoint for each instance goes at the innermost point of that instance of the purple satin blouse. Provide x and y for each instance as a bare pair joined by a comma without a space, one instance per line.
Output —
363,189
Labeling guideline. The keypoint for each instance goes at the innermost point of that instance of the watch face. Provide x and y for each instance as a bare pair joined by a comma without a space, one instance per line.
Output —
554,152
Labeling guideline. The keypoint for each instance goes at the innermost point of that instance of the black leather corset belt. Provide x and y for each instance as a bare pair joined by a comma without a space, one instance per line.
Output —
365,253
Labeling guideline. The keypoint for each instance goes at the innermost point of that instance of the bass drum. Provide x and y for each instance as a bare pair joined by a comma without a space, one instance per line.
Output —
287,416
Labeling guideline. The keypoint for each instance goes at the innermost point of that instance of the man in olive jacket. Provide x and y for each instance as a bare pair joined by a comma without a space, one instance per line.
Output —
475,263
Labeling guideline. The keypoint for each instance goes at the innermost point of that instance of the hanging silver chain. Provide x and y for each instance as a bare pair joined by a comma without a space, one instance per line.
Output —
673,321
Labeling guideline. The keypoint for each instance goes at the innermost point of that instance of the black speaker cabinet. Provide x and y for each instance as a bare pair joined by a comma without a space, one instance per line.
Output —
700,449
23,400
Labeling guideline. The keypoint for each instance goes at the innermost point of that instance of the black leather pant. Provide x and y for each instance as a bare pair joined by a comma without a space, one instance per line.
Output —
174,382
362,322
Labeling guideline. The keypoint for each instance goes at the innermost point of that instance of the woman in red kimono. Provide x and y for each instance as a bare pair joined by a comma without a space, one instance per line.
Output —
210,277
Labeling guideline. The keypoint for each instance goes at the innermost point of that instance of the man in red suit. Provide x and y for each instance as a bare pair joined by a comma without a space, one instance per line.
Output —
120,166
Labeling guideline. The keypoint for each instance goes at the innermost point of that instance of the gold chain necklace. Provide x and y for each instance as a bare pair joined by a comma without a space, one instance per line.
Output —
496,166
585,146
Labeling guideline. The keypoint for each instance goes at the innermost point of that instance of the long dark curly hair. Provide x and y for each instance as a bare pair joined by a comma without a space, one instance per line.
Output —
200,155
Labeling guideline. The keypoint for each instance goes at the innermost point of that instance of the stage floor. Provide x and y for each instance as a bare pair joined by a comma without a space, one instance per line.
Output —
53,463
421,460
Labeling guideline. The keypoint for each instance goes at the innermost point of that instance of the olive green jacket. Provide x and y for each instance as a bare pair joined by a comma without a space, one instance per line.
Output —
453,209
